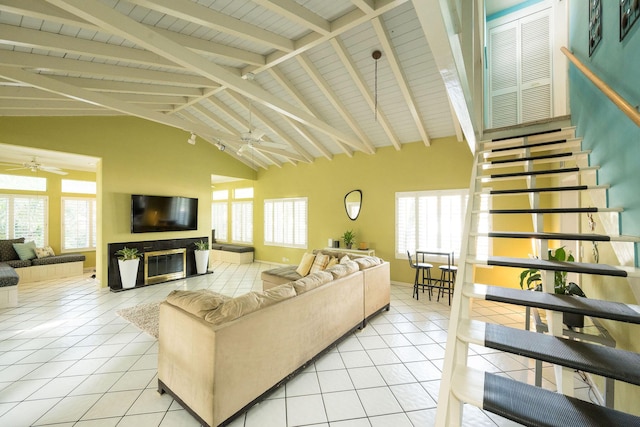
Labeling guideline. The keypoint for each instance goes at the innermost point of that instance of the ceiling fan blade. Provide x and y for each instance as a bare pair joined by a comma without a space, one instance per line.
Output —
53,170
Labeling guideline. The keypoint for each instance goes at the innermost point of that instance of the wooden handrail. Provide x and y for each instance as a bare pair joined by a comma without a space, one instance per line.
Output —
620,102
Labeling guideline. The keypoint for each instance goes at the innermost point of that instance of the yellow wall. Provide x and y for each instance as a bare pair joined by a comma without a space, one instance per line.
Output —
137,156
54,194
446,164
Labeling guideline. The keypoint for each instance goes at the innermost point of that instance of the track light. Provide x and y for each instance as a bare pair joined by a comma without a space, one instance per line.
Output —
220,146
192,139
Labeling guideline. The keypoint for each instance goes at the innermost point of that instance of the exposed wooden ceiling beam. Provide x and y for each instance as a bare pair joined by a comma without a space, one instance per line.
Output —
126,27
447,52
55,86
367,6
295,94
92,69
108,86
401,79
322,84
364,90
202,15
298,14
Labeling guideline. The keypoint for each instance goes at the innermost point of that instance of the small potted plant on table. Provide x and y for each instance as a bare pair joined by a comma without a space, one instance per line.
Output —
202,256
348,238
128,261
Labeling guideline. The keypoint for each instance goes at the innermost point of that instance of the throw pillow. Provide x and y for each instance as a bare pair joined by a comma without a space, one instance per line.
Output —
234,308
333,261
344,259
45,252
7,253
320,263
305,264
25,251
274,295
312,281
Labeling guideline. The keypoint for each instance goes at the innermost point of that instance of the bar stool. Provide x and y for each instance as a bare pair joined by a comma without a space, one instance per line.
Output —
447,277
422,269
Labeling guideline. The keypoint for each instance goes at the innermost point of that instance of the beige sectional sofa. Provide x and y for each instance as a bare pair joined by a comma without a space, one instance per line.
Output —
218,356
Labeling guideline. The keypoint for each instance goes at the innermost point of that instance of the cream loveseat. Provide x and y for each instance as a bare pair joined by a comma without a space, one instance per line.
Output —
218,356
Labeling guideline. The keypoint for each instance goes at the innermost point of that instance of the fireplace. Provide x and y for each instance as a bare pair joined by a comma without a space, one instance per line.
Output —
160,266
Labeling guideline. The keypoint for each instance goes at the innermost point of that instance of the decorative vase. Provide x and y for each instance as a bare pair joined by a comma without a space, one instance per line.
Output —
202,260
128,272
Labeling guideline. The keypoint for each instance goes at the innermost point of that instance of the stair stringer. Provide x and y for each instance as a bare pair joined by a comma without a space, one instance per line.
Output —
449,410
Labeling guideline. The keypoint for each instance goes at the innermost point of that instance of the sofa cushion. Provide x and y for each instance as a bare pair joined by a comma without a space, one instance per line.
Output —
332,261
7,253
44,252
343,269
198,302
367,262
287,273
305,264
8,276
58,259
312,281
319,263
18,263
25,250
248,303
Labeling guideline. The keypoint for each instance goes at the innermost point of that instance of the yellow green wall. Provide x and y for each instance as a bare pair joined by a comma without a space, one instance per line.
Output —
446,164
54,194
137,156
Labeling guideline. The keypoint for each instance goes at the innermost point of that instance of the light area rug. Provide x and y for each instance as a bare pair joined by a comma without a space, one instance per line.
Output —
145,316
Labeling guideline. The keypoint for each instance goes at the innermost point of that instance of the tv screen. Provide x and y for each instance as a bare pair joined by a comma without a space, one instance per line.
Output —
163,213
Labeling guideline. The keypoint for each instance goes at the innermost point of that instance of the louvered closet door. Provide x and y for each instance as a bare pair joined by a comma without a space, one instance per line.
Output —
520,70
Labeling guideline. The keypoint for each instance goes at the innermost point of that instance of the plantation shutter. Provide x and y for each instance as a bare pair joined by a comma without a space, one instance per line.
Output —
520,84
29,219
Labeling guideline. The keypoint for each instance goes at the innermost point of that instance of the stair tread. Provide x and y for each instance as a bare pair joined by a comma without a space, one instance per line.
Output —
562,236
537,146
530,405
526,135
547,189
552,210
566,303
536,173
596,359
572,267
535,158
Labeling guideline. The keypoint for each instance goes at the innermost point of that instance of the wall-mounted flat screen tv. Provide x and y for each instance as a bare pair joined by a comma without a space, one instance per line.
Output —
163,213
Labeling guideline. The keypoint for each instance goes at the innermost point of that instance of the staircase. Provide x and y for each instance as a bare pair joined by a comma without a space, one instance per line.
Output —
532,167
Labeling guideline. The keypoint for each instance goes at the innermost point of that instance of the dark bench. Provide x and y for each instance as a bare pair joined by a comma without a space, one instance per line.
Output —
8,286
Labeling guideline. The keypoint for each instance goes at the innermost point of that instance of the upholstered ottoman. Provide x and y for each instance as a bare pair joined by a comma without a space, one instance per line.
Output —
8,286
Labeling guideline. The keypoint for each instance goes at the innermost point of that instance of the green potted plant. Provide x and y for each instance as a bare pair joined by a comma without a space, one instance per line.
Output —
128,261
533,281
348,238
202,256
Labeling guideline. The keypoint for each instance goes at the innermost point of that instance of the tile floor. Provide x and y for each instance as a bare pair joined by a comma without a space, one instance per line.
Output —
66,359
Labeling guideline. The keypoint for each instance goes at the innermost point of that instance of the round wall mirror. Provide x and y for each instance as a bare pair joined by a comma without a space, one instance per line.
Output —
353,204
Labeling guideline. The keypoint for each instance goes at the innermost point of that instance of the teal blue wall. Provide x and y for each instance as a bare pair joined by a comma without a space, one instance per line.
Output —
613,138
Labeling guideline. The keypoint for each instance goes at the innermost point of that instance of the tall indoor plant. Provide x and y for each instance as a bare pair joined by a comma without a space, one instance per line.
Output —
533,281
128,261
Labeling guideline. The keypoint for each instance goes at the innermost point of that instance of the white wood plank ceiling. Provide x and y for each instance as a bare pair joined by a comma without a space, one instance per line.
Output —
300,72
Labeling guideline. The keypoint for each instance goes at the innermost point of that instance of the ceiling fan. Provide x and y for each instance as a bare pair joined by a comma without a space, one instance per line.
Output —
34,166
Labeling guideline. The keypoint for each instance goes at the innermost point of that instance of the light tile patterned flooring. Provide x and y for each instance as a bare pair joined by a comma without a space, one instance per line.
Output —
66,359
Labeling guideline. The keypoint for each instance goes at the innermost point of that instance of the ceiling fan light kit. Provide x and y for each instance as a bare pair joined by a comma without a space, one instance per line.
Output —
34,166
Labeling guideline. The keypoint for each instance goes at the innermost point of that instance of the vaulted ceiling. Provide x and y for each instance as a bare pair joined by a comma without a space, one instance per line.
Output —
299,72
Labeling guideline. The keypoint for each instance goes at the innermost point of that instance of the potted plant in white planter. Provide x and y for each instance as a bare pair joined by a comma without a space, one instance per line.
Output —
202,256
128,260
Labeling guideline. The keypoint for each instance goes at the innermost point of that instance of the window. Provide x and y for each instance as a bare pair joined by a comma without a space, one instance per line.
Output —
220,195
285,222
243,193
78,223
433,220
24,216
27,183
242,222
78,187
220,219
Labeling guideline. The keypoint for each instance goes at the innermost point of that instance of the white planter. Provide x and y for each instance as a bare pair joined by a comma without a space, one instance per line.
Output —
202,260
128,272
